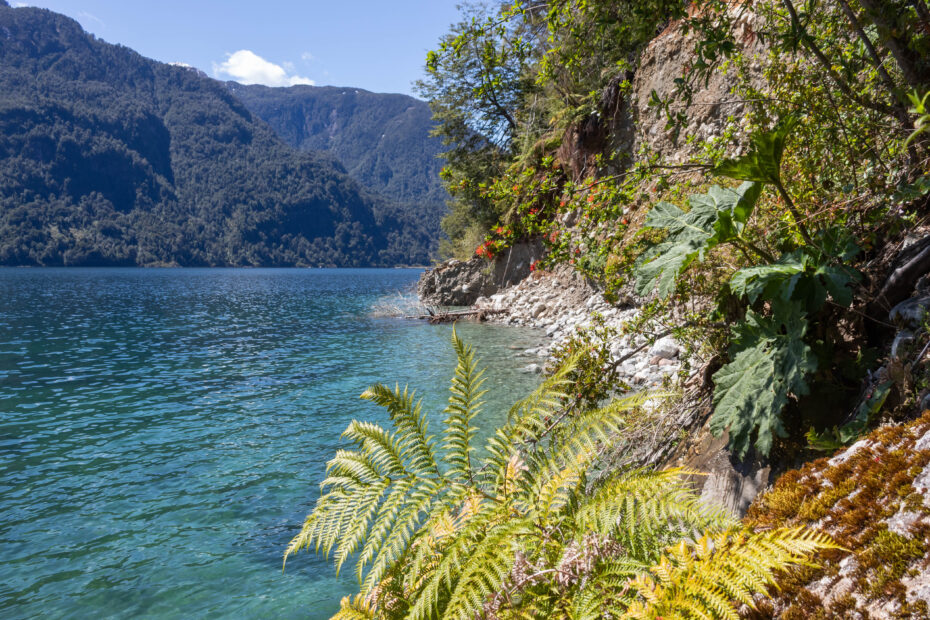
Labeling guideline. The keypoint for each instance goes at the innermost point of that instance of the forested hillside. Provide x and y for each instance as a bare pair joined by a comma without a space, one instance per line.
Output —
383,140
109,158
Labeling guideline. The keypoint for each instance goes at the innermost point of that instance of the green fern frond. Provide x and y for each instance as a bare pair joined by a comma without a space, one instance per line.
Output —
410,421
464,404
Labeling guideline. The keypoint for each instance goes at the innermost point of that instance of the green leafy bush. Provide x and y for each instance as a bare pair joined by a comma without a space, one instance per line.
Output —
770,359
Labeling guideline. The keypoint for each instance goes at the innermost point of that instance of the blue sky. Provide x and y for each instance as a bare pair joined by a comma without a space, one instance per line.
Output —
375,45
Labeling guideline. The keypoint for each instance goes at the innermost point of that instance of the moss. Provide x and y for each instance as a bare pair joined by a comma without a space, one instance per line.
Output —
852,500
889,556
817,507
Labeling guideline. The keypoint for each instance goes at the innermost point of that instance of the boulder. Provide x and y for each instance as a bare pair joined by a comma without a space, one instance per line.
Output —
665,348
462,283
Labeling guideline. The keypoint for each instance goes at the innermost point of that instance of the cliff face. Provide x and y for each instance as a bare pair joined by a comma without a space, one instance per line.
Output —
712,106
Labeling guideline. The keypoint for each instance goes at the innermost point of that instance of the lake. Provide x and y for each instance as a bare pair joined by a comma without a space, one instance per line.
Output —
163,431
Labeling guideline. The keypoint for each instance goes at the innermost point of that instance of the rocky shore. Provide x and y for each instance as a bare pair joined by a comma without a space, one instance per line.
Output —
560,302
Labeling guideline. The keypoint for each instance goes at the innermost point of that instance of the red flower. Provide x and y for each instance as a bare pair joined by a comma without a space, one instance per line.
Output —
624,221
590,198
498,230
562,203
516,188
577,251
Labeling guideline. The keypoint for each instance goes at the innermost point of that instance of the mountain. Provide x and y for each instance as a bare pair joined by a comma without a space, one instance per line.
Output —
383,140
109,158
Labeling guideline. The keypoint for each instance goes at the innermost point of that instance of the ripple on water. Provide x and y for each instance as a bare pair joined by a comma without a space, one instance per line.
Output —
162,432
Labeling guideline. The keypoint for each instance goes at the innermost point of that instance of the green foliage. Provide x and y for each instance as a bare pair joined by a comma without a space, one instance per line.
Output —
762,162
527,534
770,360
382,140
839,436
715,218
770,363
806,275
922,110
594,377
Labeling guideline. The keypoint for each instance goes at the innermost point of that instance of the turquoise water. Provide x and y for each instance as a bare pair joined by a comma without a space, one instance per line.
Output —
163,432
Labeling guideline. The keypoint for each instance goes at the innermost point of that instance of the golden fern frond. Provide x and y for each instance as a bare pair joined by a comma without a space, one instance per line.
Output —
409,518
708,575
647,510
357,608
457,555
585,430
487,569
412,428
383,524
385,450
464,404
547,397
553,486
352,467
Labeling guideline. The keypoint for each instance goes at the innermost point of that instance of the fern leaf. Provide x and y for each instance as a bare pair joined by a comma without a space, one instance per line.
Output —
464,404
357,608
411,425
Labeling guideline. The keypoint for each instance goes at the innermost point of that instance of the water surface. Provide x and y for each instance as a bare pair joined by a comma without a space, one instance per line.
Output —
163,432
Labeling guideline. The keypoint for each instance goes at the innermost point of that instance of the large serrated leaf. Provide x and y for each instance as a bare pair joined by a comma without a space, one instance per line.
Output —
714,218
670,259
771,364
763,160
797,276
765,280
733,209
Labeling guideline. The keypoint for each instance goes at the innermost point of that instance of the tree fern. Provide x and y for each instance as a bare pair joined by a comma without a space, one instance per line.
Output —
524,533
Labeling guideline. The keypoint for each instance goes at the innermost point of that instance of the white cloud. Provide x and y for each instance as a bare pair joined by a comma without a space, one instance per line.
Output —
247,67
307,57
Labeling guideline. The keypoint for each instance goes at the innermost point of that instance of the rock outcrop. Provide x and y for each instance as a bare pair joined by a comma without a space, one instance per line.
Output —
670,56
873,498
461,283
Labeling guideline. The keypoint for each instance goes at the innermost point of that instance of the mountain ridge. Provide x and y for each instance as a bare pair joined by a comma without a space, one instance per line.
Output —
110,158
382,139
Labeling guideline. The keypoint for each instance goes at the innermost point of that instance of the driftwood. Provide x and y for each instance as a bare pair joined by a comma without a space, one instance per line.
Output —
454,315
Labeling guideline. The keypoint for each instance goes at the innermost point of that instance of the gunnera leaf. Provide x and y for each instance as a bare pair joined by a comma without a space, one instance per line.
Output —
716,217
762,162
771,364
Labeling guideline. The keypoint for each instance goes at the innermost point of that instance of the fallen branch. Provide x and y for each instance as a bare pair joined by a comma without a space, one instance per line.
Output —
454,315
